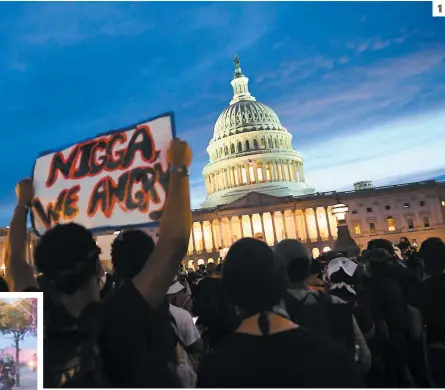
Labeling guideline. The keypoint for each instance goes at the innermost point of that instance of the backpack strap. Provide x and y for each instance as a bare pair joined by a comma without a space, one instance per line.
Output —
293,308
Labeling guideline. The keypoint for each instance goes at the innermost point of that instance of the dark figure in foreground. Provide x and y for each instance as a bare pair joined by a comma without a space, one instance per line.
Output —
268,350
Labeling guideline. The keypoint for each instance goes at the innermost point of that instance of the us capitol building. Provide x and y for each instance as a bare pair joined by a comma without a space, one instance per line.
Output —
256,186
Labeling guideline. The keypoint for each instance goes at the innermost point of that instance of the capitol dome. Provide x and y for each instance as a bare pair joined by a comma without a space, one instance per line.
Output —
246,115
250,151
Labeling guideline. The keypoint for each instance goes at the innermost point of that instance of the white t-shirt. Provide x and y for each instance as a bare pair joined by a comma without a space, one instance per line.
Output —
187,330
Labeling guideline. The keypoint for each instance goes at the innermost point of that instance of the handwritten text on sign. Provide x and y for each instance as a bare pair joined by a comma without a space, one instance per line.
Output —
114,180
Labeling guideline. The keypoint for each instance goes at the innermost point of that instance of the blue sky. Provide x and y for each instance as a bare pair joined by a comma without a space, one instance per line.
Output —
361,86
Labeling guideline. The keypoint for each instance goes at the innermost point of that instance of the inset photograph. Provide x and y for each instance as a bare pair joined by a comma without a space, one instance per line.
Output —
19,346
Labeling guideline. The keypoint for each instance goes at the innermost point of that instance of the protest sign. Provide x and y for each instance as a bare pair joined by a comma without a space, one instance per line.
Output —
115,180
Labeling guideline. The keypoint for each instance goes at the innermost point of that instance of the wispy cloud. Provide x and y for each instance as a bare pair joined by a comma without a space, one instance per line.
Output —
379,43
353,98
377,153
300,69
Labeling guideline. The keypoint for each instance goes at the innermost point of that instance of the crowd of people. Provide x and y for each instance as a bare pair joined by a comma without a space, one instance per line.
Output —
263,317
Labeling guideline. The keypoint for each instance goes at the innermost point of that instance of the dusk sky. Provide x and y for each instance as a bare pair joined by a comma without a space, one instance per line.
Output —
361,86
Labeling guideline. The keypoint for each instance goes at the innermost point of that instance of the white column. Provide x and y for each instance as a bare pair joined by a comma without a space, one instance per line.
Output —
301,173
273,171
316,223
240,217
283,171
327,222
240,175
202,237
289,171
272,215
262,226
284,223
193,238
263,167
213,235
294,211
247,168
251,224
221,232
231,230
308,239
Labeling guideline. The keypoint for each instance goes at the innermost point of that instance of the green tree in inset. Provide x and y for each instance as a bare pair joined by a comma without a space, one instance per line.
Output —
18,319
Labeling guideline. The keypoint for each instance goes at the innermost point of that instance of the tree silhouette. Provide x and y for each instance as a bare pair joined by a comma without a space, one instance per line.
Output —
19,319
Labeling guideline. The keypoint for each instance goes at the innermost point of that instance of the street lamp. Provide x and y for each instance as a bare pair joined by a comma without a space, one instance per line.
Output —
339,211
345,243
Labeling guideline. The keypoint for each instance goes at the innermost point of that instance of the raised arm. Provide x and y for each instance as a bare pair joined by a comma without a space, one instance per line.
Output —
19,274
174,233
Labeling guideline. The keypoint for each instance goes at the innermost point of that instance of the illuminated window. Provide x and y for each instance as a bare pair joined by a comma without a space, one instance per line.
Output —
391,224
406,205
410,223
372,227
426,222
443,203
357,228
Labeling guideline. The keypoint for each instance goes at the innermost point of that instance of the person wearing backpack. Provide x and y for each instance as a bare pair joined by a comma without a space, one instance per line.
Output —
267,350
68,256
329,317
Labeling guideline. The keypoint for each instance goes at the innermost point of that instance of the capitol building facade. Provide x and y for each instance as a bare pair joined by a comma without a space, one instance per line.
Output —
256,187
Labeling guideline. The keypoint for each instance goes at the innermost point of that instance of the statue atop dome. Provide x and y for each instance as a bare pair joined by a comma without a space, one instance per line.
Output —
238,71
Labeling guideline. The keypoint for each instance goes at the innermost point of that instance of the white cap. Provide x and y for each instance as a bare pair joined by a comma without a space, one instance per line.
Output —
341,262
175,288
